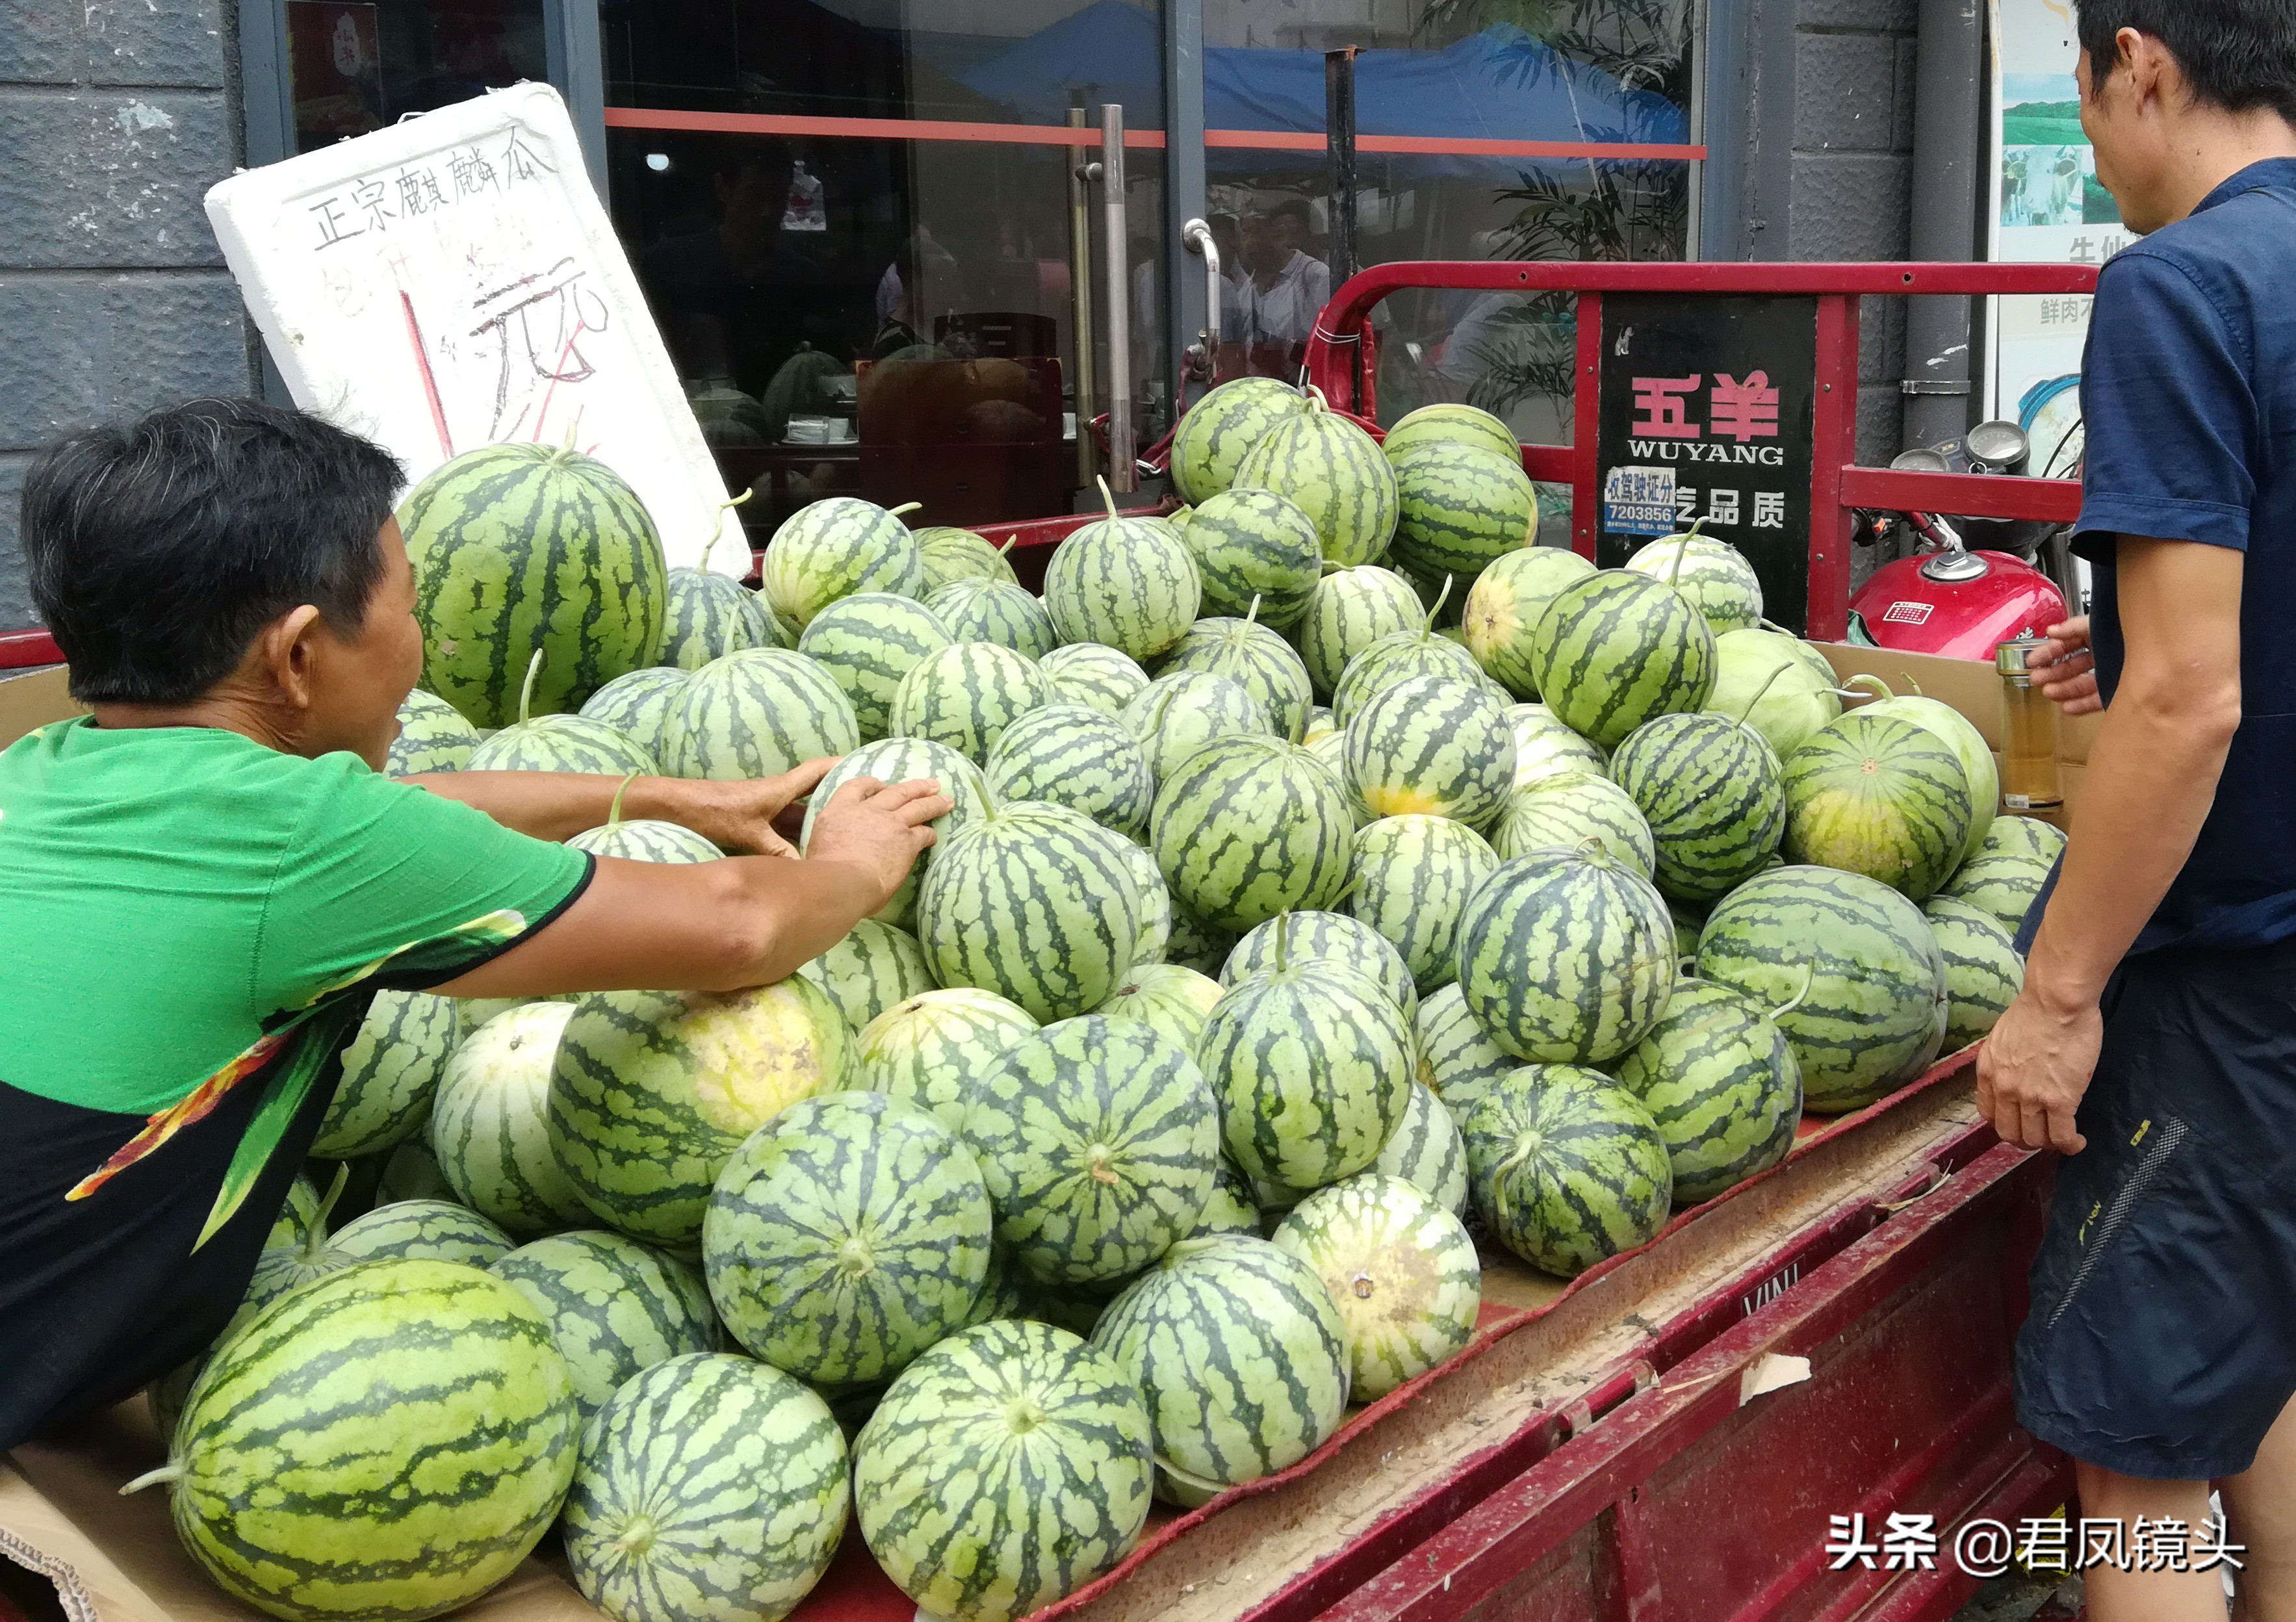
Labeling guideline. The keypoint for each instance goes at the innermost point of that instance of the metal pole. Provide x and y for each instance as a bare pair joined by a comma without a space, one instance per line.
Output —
1080,322
575,59
1340,142
1184,175
1196,236
1948,59
1123,468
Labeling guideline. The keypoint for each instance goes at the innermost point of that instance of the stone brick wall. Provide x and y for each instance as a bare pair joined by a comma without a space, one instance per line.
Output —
115,117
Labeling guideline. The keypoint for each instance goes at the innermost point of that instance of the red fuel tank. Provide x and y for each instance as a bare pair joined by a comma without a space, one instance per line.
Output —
1906,606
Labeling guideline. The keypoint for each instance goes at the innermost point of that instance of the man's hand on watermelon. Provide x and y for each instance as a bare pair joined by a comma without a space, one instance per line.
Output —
759,817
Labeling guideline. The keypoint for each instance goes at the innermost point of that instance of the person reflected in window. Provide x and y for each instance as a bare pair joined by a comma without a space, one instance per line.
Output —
1284,289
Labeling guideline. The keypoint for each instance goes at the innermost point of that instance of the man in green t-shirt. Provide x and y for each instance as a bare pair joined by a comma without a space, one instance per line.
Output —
203,883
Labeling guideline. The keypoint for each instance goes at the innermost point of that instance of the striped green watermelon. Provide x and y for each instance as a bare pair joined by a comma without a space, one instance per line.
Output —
1761,678
951,553
294,1253
1086,673
1175,716
1567,1167
1169,998
1688,921
1399,658
1456,1060
867,643
1098,1138
1442,595
1078,757
1413,876
1001,1295
615,1307
1327,937
1861,961
1129,583
932,1049
1617,648
1401,1269
1957,733
637,705
1320,724
1721,1083
1256,659
1449,422
654,1089
487,1123
390,1071
647,839
998,611
383,1446
1349,610
558,742
845,1236
1240,1356
1566,957
710,616
1004,1469
1313,1068
1568,809
432,737
1709,790
1983,973
1250,827
421,1230
1255,545
1215,433
1879,796
873,968
411,1172
757,714
1231,1209
836,548
1427,1151
1155,900
711,1489
519,548
1332,471
904,760
1505,604
965,696
1459,508
1433,747
1195,944
2005,876
1544,747
1713,574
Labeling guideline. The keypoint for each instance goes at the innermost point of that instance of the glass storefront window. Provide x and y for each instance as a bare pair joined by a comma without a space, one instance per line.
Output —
356,67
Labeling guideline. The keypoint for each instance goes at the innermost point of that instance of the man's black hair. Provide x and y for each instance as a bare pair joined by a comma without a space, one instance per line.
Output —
1292,208
2236,54
157,551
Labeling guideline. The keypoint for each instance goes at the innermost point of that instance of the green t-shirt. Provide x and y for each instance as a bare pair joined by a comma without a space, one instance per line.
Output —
173,897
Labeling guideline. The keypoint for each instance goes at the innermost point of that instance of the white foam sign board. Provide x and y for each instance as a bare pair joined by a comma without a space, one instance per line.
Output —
452,281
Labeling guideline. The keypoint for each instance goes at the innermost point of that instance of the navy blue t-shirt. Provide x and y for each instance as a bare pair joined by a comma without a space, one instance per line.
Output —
2188,391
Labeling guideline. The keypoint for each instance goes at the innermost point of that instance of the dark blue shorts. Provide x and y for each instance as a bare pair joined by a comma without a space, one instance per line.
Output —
2162,1340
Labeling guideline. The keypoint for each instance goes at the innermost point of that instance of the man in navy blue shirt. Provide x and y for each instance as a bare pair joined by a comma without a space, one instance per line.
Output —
2154,1043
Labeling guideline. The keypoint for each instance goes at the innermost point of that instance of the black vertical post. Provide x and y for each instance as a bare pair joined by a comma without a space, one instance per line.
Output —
1340,142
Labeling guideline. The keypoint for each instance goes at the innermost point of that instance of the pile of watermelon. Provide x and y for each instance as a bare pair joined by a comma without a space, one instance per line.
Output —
1286,941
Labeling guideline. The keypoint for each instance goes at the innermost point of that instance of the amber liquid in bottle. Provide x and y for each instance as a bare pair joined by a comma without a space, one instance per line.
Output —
2029,732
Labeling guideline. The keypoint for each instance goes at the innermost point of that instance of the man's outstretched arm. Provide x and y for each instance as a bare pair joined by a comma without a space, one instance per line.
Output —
752,816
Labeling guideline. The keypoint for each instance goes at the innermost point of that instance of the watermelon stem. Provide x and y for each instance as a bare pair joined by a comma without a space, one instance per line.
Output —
317,1241
1441,597
169,1472
1809,973
722,506
1107,495
1283,937
906,506
1760,691
1873,687
1011,541
1316,400
614,811
1682,549
526,693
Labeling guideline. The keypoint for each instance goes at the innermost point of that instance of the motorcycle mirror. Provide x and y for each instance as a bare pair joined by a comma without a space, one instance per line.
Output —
1998,446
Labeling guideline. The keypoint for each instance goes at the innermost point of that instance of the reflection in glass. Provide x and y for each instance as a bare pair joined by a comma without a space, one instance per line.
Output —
356,67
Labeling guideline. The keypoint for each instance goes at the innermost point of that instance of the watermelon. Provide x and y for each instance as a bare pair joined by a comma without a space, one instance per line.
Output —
1398,658
1329,938
1401,1269
1195,944
710,616
1427,1151
1004,1469
1761,678
756,714
1709,790
1231,1209
1349,610
1950,727
1255,545
1713,574
2005,876
998,611
1505,605
1431,746
1722,1085
867,643
390,1071
1028,902
1086,673
1879,796
904,760
1248,828
1449,422
432,737
930,1049
711,1489
1857,959
1544,747
615,1307
420,1230
1566,957
647,839
837,548
1567,809
1459,508
1456,1060
653,1090
1078,757
519,548
1169,998
1617,648
1240,1356
965,696
1129,583
874,967
1312,1064
1175,716
1567,1167
1982,971
411,1172
1001,1295
1332,472
638,705
1099,1139
845,1236
1256,659
487,1123
1322,724
385,1445
558,742
951,553
1155,900
1413,876
1215,433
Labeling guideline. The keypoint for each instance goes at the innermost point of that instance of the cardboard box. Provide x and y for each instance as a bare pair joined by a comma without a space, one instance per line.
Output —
34,697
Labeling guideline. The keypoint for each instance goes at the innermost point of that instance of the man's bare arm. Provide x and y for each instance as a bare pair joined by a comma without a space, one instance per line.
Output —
556,805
